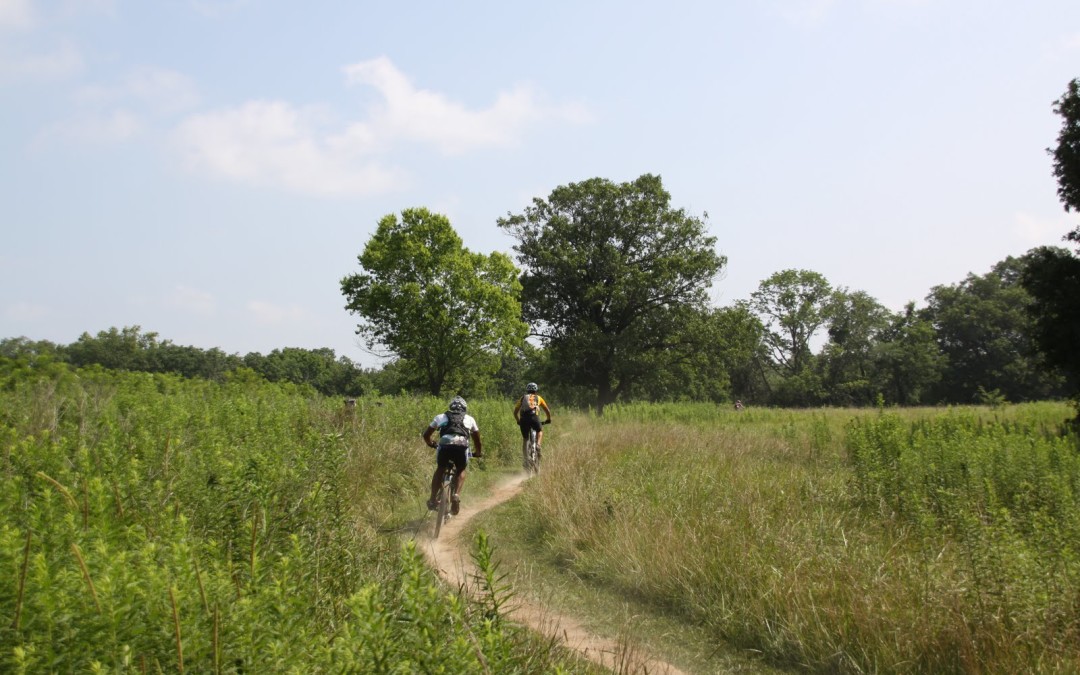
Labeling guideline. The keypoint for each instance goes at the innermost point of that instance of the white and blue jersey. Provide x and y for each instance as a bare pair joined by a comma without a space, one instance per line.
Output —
454,439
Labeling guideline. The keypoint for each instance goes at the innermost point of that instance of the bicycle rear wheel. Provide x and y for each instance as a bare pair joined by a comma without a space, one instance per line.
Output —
532,458
442,513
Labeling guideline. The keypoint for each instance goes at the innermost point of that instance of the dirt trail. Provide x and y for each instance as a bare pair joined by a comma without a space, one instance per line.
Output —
450,556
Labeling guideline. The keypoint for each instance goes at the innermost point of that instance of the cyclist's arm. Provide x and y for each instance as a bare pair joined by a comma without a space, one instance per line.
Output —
477,444
517,411
427,437
544,405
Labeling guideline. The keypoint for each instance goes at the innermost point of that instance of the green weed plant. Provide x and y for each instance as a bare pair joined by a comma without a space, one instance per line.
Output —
150,523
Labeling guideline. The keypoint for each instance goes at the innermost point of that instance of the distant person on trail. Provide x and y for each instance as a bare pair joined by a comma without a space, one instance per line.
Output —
527,414
738,405
455,429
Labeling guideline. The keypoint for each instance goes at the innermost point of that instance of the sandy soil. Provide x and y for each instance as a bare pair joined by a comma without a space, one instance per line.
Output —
450,556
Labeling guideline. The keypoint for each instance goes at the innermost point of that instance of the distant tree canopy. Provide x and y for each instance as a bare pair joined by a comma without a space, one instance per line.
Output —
130,348
792,305
984,330
614,278
448,314
908,360
849,361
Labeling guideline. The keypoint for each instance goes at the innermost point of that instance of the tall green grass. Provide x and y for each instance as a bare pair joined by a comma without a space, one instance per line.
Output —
832,540
154,524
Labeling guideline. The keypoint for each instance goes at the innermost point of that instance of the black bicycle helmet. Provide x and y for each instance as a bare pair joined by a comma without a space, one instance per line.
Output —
458,404
531,388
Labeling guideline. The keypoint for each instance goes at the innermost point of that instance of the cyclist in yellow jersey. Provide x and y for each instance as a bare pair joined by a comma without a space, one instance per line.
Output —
527,414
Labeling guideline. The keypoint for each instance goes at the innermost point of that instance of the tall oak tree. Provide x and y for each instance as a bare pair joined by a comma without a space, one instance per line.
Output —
613,276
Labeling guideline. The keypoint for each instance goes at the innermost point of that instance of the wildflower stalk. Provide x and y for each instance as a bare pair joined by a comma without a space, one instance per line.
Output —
86,574
202,590
176,628
63,490
22,581
217,644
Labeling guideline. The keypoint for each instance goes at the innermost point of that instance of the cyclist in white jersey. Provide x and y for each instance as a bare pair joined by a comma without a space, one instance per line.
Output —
455,430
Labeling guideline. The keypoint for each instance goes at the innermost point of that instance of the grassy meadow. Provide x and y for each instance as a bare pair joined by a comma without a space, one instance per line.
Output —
922,540
150,523
154,524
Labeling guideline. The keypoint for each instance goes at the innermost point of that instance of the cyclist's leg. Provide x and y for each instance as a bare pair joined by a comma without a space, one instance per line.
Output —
461,462
523,424
436,483
539,429
437,477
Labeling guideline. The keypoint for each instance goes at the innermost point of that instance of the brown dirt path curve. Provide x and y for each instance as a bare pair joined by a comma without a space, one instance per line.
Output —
449,555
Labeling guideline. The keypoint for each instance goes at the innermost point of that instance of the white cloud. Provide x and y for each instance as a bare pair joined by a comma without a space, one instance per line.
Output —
157,89
266,312
111,127
277,144
429,117
193,300
16,14
121,112
63,61
273,144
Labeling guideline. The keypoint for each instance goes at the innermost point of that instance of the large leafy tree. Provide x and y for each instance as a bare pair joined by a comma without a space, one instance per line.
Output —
1053,280
613,277
984,328
319,368
848,358
727,359
908,360
446,313
1067,153
793,306
118,349
1053,277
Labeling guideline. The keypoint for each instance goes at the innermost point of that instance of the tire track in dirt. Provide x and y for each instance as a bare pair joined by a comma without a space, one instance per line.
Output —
449,555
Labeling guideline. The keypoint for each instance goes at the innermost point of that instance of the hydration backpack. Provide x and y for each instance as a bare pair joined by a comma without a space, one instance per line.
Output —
455,424
530,405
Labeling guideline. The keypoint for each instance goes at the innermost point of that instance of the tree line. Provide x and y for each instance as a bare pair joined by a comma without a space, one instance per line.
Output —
974,341
607,302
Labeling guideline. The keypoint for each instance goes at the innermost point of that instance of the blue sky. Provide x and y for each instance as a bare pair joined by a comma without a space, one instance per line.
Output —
210,169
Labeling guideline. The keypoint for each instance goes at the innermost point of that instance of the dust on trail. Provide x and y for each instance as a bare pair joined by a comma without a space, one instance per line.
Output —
450,557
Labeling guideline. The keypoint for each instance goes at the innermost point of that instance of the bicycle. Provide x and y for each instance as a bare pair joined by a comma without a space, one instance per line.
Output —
446,493
532,452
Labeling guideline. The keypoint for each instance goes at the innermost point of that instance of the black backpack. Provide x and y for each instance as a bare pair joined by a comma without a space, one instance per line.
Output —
455,424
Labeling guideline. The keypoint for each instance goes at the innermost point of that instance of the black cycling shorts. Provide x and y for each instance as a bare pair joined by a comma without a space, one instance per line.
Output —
528,422
458,455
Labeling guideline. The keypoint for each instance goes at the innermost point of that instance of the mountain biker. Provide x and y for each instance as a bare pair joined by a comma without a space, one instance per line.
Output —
527,414
455,429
